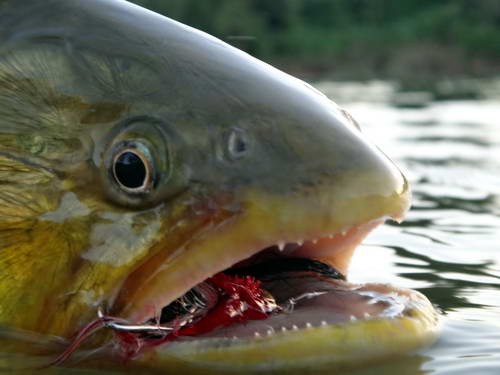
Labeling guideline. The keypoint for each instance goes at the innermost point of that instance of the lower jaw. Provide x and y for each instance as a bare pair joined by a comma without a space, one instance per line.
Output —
307,340
331,324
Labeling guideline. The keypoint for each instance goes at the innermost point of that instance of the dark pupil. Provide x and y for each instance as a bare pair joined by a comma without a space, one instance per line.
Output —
130,170
240,146
237,144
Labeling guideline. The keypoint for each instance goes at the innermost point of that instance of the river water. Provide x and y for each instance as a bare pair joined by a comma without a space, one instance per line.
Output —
449,245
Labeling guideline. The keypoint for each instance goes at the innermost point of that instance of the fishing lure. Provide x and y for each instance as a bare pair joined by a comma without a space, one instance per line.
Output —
238,299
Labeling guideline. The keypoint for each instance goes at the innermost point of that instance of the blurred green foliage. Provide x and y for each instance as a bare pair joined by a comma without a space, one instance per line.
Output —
396,36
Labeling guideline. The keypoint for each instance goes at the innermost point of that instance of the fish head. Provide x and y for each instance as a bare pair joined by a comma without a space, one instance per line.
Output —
140,157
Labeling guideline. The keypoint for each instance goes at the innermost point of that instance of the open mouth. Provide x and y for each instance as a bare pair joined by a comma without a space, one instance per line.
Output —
281,289
286,286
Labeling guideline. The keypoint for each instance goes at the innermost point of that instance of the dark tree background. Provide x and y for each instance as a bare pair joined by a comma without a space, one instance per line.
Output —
354,38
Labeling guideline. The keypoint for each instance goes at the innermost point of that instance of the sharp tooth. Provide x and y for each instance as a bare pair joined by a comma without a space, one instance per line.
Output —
323,323
308,325
281,245
100,313
295,328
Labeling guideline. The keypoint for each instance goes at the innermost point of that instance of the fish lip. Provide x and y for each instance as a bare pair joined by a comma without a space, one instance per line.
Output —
148,309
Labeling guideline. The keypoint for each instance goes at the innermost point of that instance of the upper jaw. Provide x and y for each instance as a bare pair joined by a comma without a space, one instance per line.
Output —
169,273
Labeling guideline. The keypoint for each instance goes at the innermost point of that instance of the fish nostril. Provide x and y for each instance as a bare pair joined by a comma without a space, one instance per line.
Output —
237,144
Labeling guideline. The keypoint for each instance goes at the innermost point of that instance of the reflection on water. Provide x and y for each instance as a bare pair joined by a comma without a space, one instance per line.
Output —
449,245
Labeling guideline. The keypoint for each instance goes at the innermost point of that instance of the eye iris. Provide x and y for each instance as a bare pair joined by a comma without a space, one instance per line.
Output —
130,170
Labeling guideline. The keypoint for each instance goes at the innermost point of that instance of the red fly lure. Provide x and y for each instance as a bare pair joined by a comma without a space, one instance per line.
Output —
240,299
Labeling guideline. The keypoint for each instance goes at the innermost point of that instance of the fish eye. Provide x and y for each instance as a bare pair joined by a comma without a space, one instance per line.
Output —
132,167
142,162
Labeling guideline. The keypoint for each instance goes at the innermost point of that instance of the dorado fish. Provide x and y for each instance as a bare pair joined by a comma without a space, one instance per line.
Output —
170,203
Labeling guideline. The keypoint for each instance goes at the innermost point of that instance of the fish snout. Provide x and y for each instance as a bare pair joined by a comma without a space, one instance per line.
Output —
311,162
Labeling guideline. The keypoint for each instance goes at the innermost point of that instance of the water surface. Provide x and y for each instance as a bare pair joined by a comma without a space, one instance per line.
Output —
449,245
